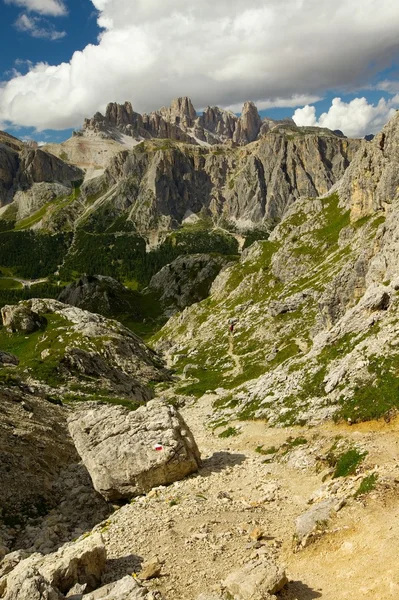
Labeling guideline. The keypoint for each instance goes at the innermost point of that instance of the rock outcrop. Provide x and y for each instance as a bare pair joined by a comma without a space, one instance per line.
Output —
129,453
186,280
77,347
373,181
21,319
75,571
37,166
99,294
53,576
248,125
124,589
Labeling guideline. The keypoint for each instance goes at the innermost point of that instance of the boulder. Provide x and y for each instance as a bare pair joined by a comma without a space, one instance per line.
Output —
124,589
82,562
28,584
257,580
128,453
49,577
11,560
21,319
8,359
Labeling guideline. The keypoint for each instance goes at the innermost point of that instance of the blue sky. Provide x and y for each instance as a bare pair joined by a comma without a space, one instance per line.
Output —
18,49
292,57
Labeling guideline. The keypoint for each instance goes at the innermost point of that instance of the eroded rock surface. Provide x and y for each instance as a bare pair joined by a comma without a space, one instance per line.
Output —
186,280
128,453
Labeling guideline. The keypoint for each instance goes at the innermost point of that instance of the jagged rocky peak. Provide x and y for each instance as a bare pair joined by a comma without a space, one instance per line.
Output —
219,121
181,112
178,122
248,125
119,114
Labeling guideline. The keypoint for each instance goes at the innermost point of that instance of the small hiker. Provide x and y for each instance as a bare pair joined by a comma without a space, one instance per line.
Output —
232,323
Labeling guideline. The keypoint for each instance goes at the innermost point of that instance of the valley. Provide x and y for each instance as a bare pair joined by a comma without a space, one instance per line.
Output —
174,284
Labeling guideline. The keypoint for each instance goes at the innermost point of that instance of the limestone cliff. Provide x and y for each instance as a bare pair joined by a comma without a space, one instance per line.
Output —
315,308
21,167
157,185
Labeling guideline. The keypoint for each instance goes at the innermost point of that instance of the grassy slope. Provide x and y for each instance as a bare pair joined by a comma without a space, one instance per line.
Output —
265,344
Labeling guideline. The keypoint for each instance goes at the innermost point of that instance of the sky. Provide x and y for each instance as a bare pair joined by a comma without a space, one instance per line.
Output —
330,64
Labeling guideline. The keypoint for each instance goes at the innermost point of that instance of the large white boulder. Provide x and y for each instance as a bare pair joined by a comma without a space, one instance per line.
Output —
128,453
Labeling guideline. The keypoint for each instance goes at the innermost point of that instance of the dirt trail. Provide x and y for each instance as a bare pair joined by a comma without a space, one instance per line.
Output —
237,370
200,527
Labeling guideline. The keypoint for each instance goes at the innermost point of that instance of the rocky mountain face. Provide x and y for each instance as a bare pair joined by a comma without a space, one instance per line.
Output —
157,187
21,167
178,122
152,172
315,308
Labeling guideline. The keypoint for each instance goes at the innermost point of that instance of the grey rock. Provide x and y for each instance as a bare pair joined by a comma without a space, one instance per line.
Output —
124,589
248,125
186,280
21,319
98,294
372,182
82,562
28,584
308,521
10,560
119,448
8,359
377,297
37,166
257,580
53,575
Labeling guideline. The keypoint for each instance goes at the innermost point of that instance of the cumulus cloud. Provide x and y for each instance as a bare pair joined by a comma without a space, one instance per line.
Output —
356,118
223,52
38,28
53,8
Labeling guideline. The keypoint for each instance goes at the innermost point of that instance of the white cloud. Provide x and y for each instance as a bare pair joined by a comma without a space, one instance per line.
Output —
53,8
222,52
390,86
356,118
38,28
293,102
